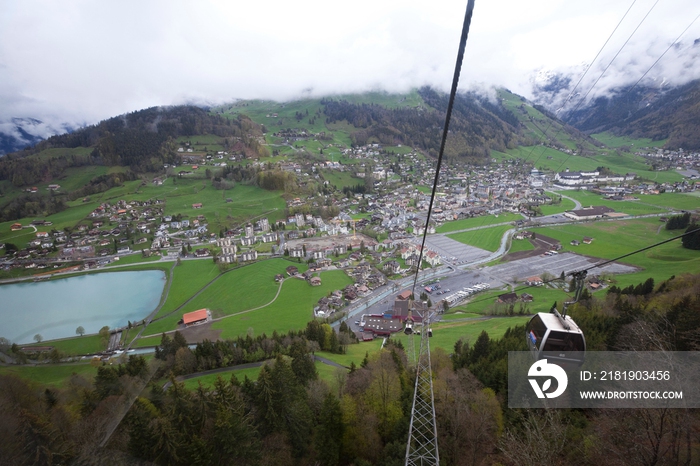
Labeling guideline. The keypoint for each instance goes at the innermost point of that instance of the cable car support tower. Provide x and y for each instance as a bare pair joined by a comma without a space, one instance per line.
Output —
422,445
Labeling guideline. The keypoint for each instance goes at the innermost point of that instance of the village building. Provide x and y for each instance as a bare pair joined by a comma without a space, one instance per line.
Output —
248,256
196,317
534,281
590,213
227,253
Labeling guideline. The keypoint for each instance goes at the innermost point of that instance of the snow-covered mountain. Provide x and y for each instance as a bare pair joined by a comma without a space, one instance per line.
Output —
18,133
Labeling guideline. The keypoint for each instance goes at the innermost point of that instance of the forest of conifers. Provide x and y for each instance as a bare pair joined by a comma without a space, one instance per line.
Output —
289,416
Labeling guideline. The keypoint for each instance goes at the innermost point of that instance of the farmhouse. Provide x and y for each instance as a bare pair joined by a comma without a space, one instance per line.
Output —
315,281
197,317
534,281
16,226
197,205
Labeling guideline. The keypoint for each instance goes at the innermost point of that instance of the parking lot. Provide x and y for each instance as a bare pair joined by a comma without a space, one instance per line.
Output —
555,264
449,248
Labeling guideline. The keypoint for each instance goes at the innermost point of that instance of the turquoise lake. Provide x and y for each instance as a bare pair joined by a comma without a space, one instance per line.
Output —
55,309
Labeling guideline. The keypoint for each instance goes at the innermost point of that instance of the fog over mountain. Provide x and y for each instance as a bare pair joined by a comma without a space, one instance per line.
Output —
640,69
66,64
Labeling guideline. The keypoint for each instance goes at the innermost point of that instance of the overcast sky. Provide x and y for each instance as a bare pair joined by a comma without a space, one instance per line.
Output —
82,61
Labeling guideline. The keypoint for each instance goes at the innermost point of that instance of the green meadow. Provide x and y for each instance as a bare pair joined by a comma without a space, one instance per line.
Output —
537,126
209,379
188,278
446,334
51,374
341,179
646,204
87,344
476,222
613,141
487,238
222,208
354,353
563,206
545,158
518,245
616,238
292,309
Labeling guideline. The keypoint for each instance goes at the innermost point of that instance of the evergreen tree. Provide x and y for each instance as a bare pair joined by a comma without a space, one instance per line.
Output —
692,240
330,432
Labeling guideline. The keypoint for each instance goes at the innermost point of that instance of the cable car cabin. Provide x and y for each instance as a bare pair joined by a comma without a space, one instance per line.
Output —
409,327
547,337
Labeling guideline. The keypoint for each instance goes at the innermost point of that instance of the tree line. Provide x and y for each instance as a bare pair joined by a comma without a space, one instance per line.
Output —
287,415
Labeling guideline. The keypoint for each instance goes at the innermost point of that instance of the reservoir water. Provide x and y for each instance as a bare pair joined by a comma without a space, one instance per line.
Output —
56,308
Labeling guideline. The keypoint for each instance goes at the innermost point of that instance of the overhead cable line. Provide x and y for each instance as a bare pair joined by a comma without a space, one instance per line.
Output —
583,99
662,55
600,264
448,116
588,68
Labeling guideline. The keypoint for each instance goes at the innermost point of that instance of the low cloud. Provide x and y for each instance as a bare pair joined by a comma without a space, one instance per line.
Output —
80,61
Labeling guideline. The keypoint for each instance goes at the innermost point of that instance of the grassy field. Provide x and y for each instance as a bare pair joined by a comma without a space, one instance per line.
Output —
446,334
641,207
459,314
87,344
241,289
477,222
563,206
325,372
536,123
613,239
487,238
188,278
179,195
246,201
133,259
518,245
49,374
341,179
545,158
355,353
209,379
611,140
291,310
229,294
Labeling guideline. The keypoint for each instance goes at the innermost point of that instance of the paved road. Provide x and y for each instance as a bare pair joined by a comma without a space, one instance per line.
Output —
577,204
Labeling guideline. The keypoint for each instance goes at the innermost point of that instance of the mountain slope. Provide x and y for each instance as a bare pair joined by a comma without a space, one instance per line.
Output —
142,141
672,114
19,133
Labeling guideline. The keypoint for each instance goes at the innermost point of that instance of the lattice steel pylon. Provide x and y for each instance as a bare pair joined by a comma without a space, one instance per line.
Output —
422,446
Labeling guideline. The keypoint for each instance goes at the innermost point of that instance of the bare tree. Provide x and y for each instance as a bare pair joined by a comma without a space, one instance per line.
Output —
540,440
